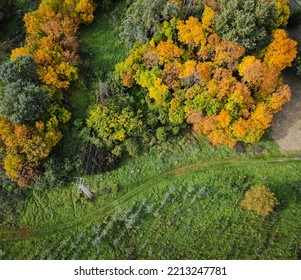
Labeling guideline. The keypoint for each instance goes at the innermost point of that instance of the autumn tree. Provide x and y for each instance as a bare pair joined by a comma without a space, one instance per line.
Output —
52,39
261,200
114,124
281,52
191,75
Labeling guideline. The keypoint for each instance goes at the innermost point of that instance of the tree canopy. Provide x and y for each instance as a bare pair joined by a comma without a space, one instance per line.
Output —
246,22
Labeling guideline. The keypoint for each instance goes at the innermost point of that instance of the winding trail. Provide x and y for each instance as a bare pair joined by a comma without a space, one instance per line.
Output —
36,232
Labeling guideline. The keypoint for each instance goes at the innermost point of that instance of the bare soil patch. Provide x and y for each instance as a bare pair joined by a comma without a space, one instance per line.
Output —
286,125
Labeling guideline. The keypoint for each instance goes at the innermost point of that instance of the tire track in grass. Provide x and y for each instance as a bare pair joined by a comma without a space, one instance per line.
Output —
141,189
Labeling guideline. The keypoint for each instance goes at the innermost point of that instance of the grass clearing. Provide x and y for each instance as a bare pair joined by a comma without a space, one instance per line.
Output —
100,47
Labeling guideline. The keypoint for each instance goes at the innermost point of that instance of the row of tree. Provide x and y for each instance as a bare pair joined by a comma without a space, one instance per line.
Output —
34,83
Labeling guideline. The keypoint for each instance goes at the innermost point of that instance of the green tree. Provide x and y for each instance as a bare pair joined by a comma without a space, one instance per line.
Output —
21,97
22,68
21,101
143,18
246,22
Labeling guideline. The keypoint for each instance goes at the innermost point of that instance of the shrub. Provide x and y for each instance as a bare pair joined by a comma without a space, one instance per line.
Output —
55,173
114,188
161,134
132,147
260,200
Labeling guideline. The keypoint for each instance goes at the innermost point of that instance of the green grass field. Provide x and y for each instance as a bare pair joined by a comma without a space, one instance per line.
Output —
170,204
195,215
181,200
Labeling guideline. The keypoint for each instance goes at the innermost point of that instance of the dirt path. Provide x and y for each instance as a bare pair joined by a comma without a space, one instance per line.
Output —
287,123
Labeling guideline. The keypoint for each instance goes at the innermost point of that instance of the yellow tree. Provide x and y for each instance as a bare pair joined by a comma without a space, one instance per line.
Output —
281,52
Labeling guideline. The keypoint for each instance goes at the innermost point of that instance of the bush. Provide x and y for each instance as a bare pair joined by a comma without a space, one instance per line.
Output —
55,173
132,147
97,160
260,200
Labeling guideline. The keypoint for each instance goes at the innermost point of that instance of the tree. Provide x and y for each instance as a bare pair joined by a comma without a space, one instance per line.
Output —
281,52
114,124
143,18
191,32
21,98
22,102
19,170
246,22
283,13
260,200
32,86
85,10
52,39
23,68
